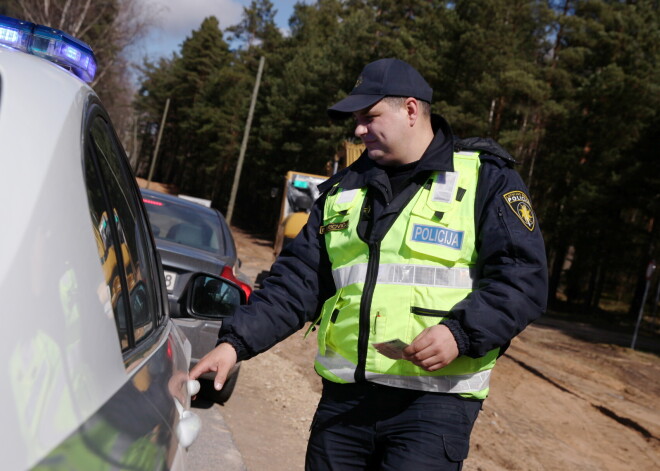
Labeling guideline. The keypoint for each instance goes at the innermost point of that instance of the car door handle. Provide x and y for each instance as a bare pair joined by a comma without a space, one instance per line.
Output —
193,387
187,430
188,427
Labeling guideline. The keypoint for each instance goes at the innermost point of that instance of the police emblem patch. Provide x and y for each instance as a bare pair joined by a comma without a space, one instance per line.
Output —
521,206
358,82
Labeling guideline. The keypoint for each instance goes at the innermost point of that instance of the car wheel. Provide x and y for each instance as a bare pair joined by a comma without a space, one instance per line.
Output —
222,396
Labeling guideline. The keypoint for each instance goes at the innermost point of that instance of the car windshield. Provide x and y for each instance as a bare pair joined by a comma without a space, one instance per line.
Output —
178,223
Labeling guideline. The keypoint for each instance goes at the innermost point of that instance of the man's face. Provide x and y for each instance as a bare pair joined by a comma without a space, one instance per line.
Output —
383,129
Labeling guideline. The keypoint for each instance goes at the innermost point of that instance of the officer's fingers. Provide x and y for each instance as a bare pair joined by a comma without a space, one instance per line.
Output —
227,359
221,359
439,358
434,357
204,365
418,344
430,365
419,356
433,366
431,359
220,378
412,351
435,341
438,338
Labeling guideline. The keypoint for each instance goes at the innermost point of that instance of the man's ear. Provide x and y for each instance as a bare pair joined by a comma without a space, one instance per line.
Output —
412,108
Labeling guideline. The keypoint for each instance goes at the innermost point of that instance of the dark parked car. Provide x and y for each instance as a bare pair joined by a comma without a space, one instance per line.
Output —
194,239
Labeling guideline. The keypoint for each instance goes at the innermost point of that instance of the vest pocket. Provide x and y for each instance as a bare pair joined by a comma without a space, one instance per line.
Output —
437,242
342,201
339,326
329,314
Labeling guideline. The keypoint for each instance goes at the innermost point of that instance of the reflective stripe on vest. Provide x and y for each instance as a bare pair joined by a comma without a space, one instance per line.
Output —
418,275
455,384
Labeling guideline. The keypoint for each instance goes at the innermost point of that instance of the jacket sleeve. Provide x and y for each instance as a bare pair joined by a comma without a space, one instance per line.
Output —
300,281
511,283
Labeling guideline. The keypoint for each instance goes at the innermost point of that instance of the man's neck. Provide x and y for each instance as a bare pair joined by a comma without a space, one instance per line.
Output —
420,141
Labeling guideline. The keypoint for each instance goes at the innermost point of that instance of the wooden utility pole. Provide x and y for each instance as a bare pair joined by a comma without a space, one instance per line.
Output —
650,268
246,134
160,135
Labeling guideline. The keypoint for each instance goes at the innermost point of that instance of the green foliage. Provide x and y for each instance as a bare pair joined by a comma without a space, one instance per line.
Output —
208,91
258,26
609,89
570,87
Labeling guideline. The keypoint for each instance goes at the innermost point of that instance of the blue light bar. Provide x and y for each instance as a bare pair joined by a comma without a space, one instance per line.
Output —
15,33
65,50
51,44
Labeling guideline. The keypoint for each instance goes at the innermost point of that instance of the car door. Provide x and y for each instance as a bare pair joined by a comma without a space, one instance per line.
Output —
140,426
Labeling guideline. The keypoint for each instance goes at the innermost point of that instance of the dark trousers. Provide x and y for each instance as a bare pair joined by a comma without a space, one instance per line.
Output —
371,427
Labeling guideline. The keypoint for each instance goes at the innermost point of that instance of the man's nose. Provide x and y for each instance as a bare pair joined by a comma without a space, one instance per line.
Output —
360,130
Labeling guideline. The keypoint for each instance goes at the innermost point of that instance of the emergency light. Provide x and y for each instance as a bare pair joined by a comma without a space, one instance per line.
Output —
48,43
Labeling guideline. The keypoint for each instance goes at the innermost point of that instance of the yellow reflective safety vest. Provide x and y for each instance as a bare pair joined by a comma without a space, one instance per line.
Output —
398,287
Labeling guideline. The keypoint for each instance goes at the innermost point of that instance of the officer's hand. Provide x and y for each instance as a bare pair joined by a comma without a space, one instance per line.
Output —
434,348
221,359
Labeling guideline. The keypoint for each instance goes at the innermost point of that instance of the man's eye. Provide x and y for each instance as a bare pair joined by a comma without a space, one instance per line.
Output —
364,119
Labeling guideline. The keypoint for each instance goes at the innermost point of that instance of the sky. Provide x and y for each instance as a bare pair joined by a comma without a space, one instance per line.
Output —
176,19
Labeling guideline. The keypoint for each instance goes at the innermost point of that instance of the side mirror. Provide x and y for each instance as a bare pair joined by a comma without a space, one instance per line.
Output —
213,298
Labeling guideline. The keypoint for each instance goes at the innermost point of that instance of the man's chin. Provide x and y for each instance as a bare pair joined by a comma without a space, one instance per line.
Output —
375,155
380,158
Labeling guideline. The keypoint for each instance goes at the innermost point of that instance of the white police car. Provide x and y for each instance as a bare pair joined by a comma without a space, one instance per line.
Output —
93,373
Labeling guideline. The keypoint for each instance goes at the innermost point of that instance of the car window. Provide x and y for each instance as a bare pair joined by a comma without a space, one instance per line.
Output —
177,223
119,226
107,250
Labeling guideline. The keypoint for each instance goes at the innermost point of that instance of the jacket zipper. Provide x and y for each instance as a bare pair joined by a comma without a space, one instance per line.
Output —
365,310
370,281
422,311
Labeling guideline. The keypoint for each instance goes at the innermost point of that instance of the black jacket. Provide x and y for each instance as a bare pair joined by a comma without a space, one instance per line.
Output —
511,270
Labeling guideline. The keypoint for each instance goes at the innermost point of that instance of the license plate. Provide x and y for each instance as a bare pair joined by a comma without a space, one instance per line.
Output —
170,279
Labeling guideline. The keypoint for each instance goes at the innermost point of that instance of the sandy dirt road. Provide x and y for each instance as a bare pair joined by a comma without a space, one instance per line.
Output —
564,397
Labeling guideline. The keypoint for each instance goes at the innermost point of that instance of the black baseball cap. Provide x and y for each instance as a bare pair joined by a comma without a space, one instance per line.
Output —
381,78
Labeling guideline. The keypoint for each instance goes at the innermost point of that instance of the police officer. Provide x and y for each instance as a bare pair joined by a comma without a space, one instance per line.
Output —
418,265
